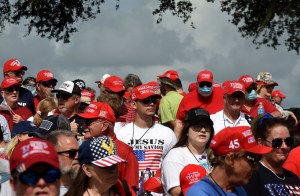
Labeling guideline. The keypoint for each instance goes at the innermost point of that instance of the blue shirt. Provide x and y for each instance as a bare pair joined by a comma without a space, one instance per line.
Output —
207,187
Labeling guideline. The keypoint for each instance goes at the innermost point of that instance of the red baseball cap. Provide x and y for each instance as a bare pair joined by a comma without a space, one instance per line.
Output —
8,82
13,65
154,184
278,93
171,74
44,76
247,80
233,86
231,139
143,91
189,175
87,96
99,110
32,151
114,84
205,76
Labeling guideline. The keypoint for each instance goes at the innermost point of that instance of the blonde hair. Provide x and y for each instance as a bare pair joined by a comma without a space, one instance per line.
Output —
45,106
10,146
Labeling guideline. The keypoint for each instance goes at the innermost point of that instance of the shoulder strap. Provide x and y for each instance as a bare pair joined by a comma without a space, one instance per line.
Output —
212,185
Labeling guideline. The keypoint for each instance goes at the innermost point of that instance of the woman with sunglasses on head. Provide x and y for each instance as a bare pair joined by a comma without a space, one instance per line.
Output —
191,148
252,101
10,109
271,178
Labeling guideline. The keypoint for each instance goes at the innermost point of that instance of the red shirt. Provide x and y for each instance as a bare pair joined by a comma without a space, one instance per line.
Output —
128,171
212,104
268,107
36,100
127,113
24,112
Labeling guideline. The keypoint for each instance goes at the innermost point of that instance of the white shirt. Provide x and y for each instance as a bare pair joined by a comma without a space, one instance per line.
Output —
221,121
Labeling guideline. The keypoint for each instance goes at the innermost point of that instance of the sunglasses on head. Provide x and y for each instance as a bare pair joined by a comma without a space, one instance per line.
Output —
32,177
49,83
277,142
71,153
207,84
251,88
18,73
12,89
63,96
149,100
251,158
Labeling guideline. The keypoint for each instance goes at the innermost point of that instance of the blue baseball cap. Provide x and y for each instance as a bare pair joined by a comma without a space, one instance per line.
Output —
100,151
23,127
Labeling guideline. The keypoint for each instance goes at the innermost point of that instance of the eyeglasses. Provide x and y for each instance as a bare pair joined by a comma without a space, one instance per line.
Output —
32,177
49,83
149,100
89,121
12,89
63,96
71,153
250,89
198,128
207,84
19,73
277,142
251,158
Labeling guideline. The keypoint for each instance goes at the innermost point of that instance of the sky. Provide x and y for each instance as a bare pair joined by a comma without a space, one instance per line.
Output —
130,41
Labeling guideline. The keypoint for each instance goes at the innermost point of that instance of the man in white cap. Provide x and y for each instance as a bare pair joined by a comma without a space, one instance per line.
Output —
101,82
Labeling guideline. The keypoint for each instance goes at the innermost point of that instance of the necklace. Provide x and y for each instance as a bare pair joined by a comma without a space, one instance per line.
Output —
217,184
141,136
280,178
203,156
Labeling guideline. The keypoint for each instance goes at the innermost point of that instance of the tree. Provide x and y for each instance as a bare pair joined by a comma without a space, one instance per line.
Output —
266,22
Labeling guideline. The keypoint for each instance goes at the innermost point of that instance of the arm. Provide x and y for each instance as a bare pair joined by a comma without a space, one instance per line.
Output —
175,191
178,128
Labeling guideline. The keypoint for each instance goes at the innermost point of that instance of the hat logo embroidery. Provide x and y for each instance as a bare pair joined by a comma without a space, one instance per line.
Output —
34,147
205,76
109,148
103,113
248,80
236,85
251,140
15,63
247,133
48,75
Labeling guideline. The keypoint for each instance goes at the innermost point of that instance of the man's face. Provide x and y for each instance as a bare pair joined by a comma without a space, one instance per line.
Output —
94,127
11,94
68,157
18,75
234,101
67,102
44,88
146,106
41,187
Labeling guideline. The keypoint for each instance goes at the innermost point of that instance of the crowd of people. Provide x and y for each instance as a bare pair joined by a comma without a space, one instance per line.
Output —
145,138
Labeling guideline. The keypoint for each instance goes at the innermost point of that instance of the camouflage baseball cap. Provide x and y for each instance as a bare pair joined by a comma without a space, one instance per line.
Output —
265,78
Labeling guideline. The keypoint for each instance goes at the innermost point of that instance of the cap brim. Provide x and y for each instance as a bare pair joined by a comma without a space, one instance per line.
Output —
259,149
198,120
153,184
87,115
98,82
231,92
109,161
60,91
267,84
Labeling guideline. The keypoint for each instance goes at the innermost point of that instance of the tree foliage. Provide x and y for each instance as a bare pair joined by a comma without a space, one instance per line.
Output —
266,22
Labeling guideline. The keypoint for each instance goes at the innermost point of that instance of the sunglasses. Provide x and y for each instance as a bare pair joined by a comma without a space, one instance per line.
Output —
12,89
250,89
277,142
89,121
49,83
252,159
207,84
19,73
71,153
198,128
32,177
149,100
63,96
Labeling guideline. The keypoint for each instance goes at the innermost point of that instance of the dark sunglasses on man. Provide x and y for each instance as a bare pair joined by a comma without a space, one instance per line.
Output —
203,84
249,89
149,100
49,83
19,72
12,89
71,153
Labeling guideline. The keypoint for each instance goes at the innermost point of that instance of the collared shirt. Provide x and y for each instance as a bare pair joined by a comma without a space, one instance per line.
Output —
221,121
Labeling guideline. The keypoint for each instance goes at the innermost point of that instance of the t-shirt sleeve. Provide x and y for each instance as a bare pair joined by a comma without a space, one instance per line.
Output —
171,171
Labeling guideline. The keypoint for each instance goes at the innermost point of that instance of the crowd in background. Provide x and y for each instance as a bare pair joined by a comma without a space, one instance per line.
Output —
146,138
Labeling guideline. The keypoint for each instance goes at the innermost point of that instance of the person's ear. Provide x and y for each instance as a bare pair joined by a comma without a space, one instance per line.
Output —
229,159
77,99
134,103
86,170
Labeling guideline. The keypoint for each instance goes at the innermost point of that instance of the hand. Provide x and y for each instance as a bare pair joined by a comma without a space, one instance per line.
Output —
74,126
17,118
294,117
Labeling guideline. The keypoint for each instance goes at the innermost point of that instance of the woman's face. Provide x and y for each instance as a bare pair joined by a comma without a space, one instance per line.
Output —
199,134
106,176
280,154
